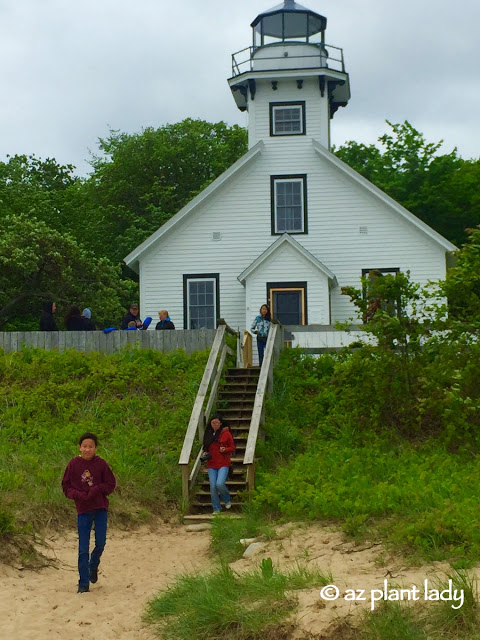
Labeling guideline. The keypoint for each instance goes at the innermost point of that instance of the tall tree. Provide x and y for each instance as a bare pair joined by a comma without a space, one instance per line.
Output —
39,263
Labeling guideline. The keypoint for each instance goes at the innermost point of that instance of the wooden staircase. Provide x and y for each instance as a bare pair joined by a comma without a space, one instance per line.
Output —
235,402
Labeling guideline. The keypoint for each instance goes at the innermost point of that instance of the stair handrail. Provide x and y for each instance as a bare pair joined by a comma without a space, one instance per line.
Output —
264,387
196,425
247,342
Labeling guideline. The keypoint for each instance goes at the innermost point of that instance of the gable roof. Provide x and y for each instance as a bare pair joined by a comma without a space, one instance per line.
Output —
287,239
133,257
381,195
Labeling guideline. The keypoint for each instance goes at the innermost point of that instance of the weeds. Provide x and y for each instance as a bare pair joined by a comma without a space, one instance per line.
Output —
226,605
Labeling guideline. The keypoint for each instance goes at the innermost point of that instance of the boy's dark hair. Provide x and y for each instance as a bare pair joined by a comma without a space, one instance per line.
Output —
88,436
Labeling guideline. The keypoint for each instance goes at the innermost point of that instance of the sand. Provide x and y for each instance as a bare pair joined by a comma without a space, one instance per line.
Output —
44,605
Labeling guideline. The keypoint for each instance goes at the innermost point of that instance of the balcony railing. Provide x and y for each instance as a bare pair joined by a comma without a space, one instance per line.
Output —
328,56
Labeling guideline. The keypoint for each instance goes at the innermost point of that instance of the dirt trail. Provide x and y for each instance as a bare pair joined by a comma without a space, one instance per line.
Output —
44,605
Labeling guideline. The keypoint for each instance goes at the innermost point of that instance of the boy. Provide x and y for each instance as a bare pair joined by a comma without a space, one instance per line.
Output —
88,480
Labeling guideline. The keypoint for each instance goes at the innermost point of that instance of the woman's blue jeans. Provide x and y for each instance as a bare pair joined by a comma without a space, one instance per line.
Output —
218,488
87,562
261,344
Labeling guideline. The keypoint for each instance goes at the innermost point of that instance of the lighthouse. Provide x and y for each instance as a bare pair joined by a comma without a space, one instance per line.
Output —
290,81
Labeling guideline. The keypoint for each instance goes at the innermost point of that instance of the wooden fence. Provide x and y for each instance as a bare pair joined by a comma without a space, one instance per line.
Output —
189,340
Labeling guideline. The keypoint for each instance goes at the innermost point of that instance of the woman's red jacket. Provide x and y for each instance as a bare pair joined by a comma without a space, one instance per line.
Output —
219,459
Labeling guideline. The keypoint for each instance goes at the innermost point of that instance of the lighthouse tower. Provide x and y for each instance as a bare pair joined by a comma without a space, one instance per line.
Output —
290,81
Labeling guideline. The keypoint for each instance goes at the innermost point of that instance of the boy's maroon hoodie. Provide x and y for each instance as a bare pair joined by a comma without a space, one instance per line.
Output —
88,483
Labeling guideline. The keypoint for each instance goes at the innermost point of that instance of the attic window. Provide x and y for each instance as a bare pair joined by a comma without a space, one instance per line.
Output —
287,118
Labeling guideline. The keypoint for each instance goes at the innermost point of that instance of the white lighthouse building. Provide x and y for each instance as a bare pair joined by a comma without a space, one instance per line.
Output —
289,223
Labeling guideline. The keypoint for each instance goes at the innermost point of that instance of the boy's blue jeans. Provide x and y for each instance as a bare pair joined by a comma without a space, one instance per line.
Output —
218,487
87,563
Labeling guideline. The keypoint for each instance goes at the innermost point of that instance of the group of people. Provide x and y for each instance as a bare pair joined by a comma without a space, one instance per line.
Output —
77,320
132,320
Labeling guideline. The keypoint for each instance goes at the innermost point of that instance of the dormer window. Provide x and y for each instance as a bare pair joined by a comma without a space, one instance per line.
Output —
287,118
289,204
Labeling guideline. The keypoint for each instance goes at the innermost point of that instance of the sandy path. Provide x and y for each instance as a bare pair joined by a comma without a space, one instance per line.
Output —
44,605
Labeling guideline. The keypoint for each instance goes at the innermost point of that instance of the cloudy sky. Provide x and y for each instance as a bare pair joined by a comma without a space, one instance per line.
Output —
72,69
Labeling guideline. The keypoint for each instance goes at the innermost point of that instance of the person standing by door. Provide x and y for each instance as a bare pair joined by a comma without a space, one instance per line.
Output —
261,327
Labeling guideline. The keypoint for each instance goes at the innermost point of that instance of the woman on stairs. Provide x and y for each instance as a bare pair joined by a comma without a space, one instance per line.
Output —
261,327
217,446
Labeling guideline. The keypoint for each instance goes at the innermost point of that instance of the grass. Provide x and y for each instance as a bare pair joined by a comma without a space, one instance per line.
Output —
138,402
227,532
226,605
423,620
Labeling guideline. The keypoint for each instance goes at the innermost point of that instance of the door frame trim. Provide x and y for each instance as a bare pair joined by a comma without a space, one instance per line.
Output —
289,286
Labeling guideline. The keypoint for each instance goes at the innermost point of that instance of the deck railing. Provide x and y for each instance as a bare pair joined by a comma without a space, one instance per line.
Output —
327,56
202,408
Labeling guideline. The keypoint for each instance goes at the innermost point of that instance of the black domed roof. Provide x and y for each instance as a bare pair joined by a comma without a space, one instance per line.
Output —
289,20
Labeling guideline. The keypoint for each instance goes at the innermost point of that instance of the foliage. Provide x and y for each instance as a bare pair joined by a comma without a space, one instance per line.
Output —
140,180
442,190
462,285
393,620
427,621
384,436
137,401
38,263
34,187
224,604
388,304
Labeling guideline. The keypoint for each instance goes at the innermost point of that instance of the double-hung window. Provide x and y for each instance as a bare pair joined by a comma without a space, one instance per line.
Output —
289,204
287,118
201,296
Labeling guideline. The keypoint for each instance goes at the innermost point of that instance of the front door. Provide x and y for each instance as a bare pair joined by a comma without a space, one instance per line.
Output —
288,302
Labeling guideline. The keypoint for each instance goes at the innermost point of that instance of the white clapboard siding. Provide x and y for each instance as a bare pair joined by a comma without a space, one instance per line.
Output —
283,266
316,111
240,212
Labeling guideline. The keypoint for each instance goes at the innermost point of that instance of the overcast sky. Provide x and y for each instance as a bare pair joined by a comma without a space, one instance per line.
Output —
72,69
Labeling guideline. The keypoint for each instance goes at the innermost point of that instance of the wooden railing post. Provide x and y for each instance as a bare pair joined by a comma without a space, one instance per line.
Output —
247,349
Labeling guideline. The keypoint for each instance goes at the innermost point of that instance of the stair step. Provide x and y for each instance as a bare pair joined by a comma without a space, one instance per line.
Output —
203,492
237,471
230,483
201,504
235,383
193,518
